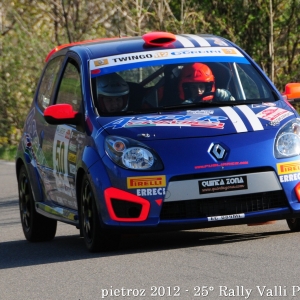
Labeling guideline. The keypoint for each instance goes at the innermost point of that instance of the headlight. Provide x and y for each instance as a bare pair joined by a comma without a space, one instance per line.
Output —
287,141
132,154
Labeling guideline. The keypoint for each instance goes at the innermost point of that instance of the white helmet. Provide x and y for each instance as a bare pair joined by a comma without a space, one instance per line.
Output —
112,85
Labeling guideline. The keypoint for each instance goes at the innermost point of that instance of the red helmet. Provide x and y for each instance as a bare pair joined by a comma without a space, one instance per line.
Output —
196,72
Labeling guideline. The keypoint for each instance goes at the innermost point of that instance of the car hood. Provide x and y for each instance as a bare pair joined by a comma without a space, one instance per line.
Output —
200,122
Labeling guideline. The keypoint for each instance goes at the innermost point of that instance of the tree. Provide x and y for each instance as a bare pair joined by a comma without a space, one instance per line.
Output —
268,30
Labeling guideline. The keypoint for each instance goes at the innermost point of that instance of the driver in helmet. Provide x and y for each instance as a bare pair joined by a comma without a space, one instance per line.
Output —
197,83
112,93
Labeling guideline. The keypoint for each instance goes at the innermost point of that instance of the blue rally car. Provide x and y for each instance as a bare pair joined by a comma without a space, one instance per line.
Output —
159,132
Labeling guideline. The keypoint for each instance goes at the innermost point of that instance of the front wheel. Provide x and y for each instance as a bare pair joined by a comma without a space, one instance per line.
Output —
95,238
294,224
36,227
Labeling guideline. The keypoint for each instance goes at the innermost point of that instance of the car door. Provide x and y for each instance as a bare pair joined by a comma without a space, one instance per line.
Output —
36,129
63,143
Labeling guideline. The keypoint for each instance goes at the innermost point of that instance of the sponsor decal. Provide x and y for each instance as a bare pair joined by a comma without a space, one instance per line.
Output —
200,112
182,123
68,134
60,130
151,192
177,120
72,169
162,55
288,167
274,114
274,123
225,184
146,181
226,217
229,50
72,157
269,104
200,118
206,52
73,147
101,62
224,164
133,57
77,139
257,105
289,177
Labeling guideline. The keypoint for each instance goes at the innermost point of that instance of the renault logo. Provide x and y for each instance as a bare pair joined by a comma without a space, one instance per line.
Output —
217,151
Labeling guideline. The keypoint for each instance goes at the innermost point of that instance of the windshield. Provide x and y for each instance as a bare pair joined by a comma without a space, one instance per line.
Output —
137,83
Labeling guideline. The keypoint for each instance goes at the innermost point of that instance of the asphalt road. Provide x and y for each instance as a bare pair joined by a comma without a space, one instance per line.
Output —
238,262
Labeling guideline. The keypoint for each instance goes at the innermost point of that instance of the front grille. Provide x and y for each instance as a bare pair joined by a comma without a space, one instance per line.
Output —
201,208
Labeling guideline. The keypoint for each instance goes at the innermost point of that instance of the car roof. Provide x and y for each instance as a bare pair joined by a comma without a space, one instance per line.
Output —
150,41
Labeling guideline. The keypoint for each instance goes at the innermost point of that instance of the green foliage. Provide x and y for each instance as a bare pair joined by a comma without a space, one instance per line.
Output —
31,28
8,153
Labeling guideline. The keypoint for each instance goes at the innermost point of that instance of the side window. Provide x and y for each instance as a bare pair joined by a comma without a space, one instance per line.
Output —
253,85
250,87
48,82
70,87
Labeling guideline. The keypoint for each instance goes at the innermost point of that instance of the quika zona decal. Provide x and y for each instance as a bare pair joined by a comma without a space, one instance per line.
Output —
216,185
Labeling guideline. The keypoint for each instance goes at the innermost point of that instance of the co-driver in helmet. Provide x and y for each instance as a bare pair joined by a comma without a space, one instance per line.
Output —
112,93
197,83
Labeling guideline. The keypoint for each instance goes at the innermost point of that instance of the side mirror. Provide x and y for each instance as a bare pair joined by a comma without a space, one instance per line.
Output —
292,92
59,114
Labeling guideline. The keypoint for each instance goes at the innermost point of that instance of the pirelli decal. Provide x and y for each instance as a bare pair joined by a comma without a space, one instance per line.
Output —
146,182
288,167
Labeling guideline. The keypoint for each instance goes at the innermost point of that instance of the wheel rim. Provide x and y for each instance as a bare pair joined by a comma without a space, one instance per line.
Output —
87,212
25,202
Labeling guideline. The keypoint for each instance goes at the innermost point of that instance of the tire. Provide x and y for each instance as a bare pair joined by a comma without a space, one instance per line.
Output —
294,224
36,227
95,238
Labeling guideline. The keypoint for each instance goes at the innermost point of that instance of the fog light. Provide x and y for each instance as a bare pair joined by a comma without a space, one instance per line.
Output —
126,207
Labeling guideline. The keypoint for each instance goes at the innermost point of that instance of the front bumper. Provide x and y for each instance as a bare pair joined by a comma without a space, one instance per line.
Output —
188,205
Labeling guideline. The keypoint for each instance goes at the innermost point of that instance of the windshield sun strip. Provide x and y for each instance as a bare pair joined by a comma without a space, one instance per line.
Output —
132,65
